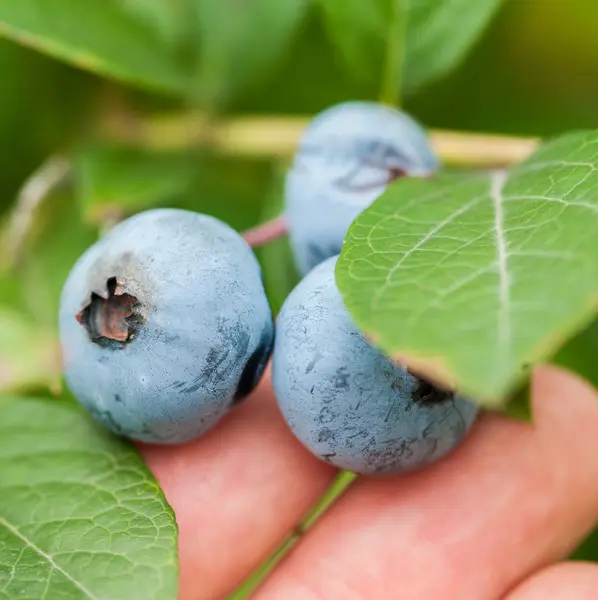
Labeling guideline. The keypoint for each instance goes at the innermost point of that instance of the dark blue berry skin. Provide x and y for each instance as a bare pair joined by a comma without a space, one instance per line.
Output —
346,158
164,325
344,400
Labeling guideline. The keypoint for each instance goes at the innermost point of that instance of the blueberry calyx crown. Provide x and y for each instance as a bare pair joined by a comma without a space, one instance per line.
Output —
112,320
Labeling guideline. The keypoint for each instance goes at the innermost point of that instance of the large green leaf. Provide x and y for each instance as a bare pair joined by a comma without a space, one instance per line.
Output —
81,517
239,41
439,35
470,279
96,35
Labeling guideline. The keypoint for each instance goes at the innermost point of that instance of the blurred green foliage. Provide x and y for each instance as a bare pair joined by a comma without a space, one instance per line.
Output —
533,72
42,108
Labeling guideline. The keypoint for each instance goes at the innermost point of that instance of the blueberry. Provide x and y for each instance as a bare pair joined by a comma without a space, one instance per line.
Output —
346,158
165,324
344,400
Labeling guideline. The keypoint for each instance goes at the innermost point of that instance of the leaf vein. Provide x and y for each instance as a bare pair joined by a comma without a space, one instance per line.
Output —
48,558
438,227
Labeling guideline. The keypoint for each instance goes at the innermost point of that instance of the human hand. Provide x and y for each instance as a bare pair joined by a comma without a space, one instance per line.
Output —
489,522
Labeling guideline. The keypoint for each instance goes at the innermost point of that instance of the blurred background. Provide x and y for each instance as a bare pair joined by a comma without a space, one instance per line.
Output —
533,71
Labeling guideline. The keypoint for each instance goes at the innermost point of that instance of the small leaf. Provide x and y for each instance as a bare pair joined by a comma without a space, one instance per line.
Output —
80,514
580,354
519,405
471,279
95,35
115,180
588,550
239,40
439,35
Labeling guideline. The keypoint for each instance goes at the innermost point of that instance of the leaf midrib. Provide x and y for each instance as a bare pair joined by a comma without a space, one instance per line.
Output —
498,180
15,531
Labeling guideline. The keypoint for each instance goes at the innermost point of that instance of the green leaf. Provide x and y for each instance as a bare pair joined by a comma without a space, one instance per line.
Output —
29,354
358,30
231,189
588,549
239,41
44,105
439,34
115,180
472,279
10,291
276,258
519,405
580,354
80,514
95,35
168,18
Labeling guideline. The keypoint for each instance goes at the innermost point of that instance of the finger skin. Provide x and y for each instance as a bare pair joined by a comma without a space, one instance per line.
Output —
512,499
236,493
565,581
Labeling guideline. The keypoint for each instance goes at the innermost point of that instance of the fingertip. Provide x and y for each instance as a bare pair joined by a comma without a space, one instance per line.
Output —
236,492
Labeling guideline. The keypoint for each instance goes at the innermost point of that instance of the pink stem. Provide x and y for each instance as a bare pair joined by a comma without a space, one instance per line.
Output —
267,232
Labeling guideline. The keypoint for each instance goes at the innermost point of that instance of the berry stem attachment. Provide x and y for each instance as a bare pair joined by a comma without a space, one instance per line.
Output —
267,232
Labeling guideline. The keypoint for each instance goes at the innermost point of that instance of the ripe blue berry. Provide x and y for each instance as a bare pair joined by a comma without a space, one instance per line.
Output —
164,325
344,400
346,158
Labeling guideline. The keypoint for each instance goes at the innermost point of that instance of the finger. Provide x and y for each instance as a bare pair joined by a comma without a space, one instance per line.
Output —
510,500
236,493
565,581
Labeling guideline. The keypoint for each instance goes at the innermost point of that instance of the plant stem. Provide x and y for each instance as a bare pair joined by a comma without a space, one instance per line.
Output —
258,577
277,136
32,194
392,76
339,486
267,232
336,490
